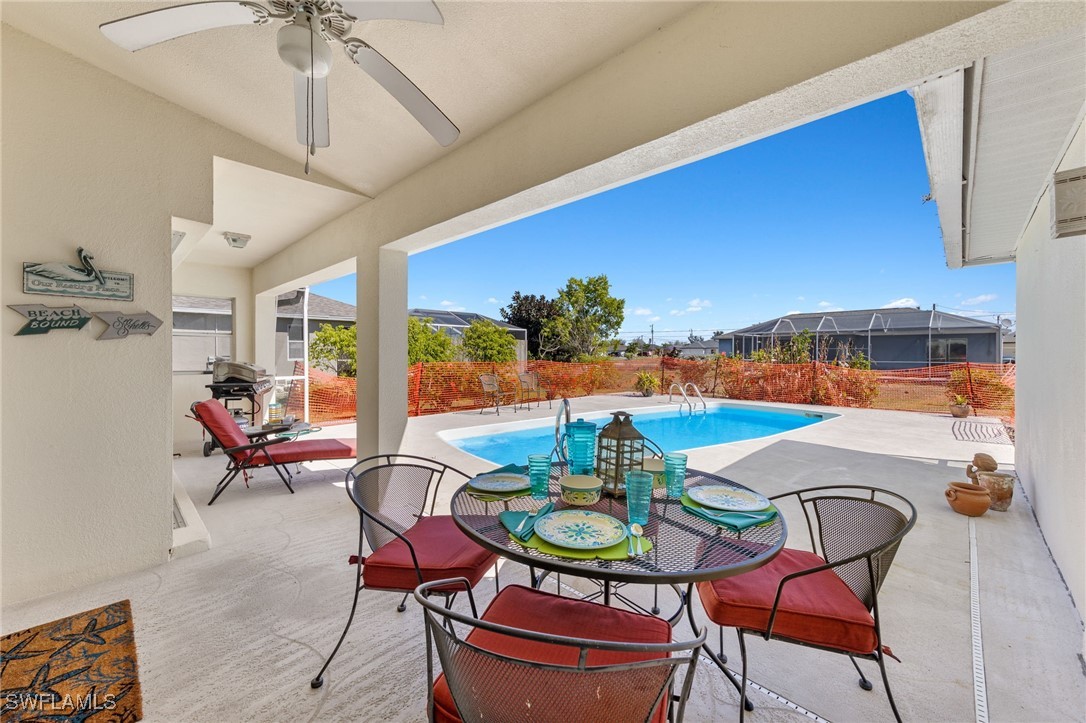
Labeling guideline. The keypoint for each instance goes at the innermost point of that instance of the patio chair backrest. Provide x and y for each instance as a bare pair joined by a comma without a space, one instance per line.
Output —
219,424
489,382
597,681
529,381
846,526
393,489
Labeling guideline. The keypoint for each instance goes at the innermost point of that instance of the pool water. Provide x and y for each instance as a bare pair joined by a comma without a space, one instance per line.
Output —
672,430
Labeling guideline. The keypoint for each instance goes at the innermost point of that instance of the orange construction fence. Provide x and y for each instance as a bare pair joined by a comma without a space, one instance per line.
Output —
434,388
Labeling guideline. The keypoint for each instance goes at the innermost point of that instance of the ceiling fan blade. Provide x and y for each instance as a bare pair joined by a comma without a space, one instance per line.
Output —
319,124
422,11
146,29
404,91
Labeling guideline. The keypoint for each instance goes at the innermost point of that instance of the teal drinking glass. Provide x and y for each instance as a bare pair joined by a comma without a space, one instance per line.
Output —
675,469
581,446
638,496
539,474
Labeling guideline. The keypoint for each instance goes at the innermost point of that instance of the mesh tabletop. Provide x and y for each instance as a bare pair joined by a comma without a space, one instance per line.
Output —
686,548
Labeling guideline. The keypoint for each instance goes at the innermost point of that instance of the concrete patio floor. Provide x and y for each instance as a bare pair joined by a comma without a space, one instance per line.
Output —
236,633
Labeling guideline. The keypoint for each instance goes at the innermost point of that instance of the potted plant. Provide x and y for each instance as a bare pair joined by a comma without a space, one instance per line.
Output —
646,383
960,407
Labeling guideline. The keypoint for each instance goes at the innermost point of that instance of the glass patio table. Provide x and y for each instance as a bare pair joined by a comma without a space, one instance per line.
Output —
686,548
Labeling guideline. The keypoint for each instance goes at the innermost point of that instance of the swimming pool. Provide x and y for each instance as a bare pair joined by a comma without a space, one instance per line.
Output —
673,430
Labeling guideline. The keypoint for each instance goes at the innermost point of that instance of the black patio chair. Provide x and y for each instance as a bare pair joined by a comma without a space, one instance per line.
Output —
827,598
409,545
542,657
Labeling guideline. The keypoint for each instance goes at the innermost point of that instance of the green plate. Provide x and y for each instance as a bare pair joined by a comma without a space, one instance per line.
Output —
580,529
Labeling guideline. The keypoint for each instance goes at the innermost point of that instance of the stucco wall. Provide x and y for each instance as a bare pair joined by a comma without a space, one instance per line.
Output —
91,160
1051,388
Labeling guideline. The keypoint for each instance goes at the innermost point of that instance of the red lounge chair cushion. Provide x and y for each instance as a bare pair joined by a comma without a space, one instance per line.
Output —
221,425
442,550
819,609
306,450
520,607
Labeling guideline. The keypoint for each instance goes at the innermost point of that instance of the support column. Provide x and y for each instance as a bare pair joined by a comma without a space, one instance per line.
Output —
264,321
382,350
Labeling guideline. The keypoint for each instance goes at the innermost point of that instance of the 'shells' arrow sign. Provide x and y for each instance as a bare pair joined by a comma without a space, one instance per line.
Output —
43,319
119,325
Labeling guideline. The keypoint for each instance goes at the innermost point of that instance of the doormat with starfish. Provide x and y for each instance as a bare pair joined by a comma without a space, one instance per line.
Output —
77,668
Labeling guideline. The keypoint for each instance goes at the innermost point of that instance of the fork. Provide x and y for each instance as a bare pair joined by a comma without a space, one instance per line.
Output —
527,517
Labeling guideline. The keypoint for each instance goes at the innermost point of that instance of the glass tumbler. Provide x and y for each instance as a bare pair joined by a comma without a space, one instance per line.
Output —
638,495
539,473
675,469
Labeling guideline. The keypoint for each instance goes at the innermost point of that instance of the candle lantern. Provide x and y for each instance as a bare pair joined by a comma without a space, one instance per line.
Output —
621,449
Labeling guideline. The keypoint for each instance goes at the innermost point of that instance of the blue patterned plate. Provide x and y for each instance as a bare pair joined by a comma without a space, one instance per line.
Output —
580,529
723,497
500,482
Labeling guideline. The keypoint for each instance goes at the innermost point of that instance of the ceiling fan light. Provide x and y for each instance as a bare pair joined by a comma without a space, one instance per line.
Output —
297,43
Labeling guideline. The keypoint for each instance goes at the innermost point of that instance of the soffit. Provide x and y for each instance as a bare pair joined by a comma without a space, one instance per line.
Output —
274,209
489,60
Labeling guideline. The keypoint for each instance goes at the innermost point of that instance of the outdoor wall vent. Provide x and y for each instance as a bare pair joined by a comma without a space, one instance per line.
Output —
1069,203
236,240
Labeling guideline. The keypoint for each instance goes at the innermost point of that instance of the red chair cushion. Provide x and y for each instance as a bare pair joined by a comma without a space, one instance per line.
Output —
819,609
220,424
521,607
306,450
443,551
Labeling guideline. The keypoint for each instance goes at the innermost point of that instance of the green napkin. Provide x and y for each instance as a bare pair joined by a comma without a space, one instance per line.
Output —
737,521
497,496
614,552
511,520
514,468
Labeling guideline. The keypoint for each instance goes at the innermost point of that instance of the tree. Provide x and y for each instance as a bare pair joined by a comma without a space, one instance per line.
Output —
426,344
530,312
335,348
588,316
485,341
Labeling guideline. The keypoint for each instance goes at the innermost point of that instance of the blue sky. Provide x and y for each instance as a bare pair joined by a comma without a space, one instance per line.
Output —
825,216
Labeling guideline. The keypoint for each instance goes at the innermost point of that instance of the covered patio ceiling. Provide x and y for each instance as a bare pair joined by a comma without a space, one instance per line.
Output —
487,62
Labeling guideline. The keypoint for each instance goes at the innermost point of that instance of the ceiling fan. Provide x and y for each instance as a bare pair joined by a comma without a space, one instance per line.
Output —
304,45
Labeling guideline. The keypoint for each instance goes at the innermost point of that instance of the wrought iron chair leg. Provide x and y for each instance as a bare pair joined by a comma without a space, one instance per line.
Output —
723,657
403,603
864,682
744,704
283,477
655,599
223,484
886,683
319,680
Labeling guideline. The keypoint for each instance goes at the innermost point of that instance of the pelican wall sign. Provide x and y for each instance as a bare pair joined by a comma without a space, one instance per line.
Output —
85,280
43,319
119,325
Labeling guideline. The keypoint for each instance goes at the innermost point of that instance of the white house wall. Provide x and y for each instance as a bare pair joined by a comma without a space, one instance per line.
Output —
91,160
1051,383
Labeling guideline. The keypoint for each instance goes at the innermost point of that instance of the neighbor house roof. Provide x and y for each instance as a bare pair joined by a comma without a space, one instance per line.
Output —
454,323
861,320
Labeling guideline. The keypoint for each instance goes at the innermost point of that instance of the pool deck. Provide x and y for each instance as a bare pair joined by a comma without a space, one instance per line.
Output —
235,633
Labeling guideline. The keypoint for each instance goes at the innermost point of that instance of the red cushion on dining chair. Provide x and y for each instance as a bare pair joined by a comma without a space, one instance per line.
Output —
521,607
443,551
819,609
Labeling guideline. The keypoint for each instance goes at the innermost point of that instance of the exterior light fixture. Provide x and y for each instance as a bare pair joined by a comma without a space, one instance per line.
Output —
236,240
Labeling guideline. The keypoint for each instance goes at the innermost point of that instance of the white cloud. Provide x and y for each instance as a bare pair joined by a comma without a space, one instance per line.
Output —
982,299
668,299
423,297
903,302
695,305
642,311
451,306
794,311
825,304
654,318
492,300
800,298
676,312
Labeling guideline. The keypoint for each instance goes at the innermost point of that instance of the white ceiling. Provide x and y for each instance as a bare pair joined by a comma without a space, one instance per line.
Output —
490,60
274,209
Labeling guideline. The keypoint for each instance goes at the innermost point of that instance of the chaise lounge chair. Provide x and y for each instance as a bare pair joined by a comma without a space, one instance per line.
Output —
245,454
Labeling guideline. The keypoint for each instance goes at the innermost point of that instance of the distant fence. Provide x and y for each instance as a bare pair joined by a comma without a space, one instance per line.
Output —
440,387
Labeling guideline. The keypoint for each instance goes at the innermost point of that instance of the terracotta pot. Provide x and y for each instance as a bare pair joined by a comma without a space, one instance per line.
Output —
1000,486
967,499
981,463
960,410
